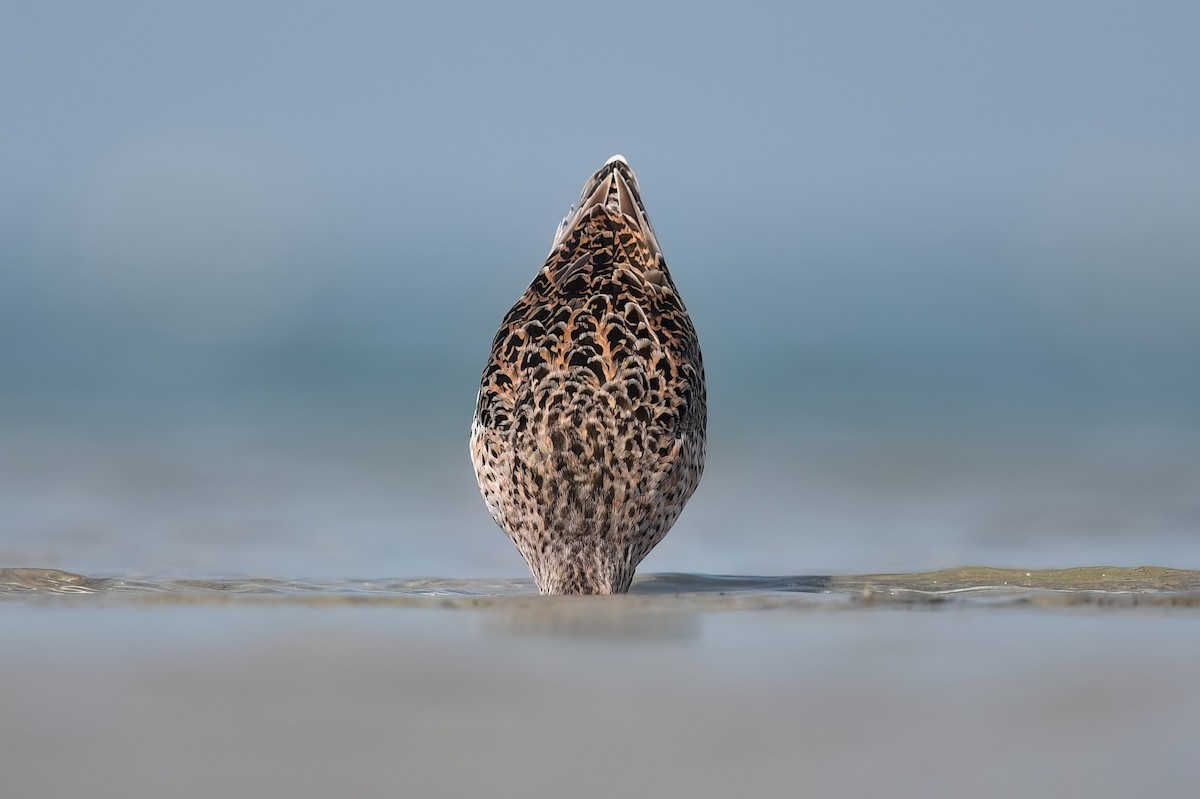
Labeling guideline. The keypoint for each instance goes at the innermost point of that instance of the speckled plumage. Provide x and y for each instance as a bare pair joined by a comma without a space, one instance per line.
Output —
589,430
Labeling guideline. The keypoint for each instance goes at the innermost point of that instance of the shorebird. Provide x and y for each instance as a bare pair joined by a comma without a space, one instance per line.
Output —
589,429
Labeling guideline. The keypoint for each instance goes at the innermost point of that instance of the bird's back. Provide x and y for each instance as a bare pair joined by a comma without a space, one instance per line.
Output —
589,431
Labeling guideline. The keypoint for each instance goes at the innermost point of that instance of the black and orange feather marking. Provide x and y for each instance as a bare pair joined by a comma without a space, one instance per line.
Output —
589,430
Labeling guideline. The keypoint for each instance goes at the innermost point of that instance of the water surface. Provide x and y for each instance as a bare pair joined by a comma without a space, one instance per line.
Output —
1147,586
736,686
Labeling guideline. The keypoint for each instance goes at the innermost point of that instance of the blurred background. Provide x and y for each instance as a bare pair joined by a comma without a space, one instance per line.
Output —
944,261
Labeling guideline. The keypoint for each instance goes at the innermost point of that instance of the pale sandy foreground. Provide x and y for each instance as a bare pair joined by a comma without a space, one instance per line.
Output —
649,695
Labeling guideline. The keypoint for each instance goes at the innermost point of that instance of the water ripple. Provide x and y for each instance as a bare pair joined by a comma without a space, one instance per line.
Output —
1144,586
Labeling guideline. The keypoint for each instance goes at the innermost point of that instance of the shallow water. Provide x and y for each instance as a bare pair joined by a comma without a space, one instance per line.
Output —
270,688
1146,586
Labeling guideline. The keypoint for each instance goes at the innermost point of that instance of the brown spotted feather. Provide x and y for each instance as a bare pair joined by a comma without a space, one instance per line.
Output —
589,430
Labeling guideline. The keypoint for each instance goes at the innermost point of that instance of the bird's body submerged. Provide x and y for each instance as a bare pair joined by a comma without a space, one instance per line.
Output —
589,431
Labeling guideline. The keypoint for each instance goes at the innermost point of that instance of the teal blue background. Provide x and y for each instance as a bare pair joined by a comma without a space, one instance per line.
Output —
943,258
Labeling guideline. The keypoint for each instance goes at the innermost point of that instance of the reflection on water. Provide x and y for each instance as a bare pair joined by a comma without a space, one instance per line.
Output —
1095,585
584,618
